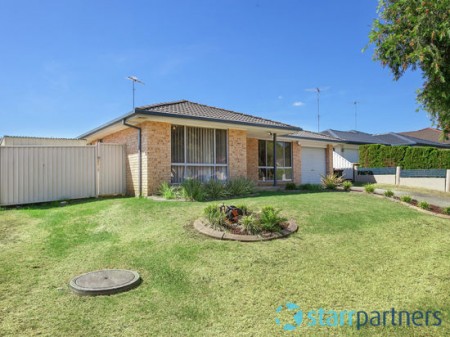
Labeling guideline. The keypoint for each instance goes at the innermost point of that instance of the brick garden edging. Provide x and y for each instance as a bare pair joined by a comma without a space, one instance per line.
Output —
207,230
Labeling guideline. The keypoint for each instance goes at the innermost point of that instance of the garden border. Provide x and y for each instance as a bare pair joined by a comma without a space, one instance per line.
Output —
439,215
200,226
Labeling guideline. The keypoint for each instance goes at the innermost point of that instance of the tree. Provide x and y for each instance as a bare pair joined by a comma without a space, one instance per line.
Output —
411,34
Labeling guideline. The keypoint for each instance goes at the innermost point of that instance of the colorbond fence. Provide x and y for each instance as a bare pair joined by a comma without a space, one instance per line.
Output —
31,174
436,179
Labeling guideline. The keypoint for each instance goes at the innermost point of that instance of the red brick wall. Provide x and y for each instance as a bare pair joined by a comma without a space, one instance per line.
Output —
237,153
252,159
297,162
156,155
157,137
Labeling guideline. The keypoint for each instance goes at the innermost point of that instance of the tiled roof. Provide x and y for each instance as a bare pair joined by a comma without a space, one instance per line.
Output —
314,136
400,139
394,139
195,110
427,134
391,138
355,137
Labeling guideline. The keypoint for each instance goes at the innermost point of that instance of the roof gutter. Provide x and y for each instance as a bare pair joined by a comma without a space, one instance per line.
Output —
124,122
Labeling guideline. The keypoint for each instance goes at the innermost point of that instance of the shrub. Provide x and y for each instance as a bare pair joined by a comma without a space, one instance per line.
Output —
388,193
167,191
369,188
331,181
214,216
347,185
214,189
239,186
244,209
310,187
290,187
406,198
271,219
446,210
424,205
250,224
192,189
408,157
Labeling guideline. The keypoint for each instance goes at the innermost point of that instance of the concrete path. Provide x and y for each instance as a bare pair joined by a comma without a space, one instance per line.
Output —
440,201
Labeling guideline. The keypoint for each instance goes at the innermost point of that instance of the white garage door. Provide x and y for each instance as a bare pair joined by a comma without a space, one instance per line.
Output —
313,165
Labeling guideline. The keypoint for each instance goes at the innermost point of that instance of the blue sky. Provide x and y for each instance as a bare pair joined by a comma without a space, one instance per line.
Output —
64,63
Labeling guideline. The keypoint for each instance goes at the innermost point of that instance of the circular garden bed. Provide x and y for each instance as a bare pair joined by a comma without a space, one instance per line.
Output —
241,224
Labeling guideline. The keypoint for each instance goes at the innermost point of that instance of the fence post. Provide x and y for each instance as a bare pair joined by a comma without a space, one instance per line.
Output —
355,171
0,176
97,169
447,181
397,175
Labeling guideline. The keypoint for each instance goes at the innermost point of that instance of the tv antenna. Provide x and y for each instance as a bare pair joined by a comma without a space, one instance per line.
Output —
355,103
318,91
318,109
134,79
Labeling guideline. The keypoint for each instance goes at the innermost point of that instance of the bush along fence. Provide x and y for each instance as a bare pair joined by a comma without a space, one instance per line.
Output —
407,157
436,179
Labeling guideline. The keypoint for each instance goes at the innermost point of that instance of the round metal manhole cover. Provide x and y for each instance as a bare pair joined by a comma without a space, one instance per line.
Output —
104,282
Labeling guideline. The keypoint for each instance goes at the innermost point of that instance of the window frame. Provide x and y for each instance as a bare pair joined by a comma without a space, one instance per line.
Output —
270,167
214,165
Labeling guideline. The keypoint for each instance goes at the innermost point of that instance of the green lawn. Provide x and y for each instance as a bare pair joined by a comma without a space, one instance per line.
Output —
352,251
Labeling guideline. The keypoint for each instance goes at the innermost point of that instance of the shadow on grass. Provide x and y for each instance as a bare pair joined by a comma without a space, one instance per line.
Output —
264,194
59,203
72,202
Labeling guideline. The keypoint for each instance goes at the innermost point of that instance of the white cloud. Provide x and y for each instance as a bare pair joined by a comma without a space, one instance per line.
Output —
298,103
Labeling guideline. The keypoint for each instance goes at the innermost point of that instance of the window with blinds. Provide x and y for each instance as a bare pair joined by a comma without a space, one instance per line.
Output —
266,160
198,153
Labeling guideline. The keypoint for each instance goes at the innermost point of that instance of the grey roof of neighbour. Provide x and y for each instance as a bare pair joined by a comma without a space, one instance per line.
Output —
314,136
394,139
354,137
192,110
398,139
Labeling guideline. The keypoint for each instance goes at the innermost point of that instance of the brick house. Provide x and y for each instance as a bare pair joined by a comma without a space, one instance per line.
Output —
178,140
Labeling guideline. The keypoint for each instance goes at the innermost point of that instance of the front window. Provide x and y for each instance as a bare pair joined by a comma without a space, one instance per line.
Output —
198,153
266,160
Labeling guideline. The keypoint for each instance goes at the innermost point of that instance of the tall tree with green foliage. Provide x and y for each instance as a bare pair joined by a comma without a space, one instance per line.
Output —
411,34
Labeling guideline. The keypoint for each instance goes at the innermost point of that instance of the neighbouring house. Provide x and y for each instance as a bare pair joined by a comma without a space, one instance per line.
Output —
351,140
430,134
178,140
346,154
40,141
397,139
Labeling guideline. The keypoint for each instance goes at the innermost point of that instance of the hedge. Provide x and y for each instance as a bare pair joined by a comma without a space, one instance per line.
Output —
407,157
